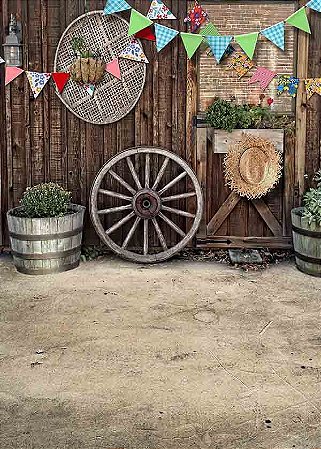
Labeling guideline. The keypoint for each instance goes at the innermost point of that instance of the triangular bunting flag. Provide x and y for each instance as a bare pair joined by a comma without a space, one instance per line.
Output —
275,34
191,42
263,76
37,81
2,60
313,86
209,30
196,17
300,20
248,43
12,73
116,6
163,36
146,34
137,22
60,79
134,52
314,4
158,10
218,45
90,89
113,68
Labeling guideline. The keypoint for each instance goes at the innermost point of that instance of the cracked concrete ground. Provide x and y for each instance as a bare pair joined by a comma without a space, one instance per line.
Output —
176,356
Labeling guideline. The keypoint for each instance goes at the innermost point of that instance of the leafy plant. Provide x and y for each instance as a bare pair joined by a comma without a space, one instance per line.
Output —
312,202
223,114
79,47
45,200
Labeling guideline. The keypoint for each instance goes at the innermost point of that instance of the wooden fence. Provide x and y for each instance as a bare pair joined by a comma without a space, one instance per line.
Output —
40,140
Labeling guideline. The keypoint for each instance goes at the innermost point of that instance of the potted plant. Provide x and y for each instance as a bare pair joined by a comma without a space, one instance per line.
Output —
306,227
87,67
46,230
230,120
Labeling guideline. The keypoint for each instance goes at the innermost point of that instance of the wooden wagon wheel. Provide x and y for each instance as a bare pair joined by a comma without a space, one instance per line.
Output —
147,203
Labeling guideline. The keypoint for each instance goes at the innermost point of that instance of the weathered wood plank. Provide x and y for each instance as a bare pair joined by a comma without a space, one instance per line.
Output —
223,139
268,217
224,211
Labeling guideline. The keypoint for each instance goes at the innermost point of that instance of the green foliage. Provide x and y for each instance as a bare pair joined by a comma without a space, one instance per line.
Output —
223,114
79,47
312,202
45,200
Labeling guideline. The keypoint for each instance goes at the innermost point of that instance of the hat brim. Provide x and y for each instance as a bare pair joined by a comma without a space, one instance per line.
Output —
253,166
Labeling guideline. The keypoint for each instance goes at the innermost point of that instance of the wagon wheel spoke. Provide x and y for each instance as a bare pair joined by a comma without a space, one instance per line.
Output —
172,225
122,181
178,197
120,223
147,170
133,172
172,183
131,233
115,194
112,210
160,235
178,212
145,248
160,173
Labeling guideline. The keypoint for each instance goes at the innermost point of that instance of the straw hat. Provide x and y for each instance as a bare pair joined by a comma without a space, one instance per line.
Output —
252,166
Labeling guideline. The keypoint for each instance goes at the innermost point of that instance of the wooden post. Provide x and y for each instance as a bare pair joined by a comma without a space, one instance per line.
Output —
301,109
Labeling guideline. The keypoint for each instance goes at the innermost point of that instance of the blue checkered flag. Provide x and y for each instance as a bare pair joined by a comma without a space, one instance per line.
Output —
275,34
116,6
218,45
314,4
163,36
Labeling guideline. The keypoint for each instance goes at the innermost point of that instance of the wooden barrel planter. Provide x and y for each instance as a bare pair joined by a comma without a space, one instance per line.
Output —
307,244
46,245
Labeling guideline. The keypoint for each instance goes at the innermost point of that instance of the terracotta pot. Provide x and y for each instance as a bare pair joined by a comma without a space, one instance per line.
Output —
87,70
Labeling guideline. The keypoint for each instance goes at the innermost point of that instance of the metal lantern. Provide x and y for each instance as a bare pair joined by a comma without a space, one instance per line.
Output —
12,47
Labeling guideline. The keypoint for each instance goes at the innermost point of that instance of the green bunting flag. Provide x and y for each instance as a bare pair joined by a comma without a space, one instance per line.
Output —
191,42
299,20
210,30
137,22
248,43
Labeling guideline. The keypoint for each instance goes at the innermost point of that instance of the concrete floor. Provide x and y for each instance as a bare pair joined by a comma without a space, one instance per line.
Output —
179,355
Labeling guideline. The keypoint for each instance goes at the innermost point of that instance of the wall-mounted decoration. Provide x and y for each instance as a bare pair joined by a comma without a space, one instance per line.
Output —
253,166
113,98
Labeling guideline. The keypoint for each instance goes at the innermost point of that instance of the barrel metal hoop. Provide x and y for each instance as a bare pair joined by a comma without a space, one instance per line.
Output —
59,269
306,232
307,259
45,237
47,256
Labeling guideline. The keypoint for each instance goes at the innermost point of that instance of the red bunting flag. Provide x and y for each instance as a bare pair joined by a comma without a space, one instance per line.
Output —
263,76
146,34
60,79
113,68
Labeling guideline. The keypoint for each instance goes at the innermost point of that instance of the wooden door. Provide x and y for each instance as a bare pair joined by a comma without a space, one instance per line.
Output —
230,220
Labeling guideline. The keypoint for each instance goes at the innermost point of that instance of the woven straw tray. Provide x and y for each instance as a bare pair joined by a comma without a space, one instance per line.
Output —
113,98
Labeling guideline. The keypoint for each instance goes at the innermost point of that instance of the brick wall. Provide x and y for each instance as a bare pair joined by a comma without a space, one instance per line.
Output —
240,18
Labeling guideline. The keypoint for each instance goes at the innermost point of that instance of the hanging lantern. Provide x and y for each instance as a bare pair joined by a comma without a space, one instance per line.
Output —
12,48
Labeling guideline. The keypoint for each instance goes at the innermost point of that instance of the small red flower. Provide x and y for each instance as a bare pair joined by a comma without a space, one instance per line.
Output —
270,101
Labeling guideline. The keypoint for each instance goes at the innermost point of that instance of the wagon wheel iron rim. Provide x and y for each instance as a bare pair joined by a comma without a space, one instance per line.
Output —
145,202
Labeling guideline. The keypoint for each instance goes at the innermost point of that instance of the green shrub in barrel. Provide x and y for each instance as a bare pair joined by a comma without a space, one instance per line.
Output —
306,227
46,230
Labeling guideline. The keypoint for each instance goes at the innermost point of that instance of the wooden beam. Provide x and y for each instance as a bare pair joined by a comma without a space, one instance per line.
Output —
301,107
223,212
268,217
201,163
244,242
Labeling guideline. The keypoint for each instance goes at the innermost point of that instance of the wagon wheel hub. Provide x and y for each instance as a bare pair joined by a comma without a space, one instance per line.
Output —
146,203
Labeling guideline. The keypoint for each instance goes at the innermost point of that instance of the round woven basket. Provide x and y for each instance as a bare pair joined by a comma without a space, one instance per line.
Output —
252,166
113,98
